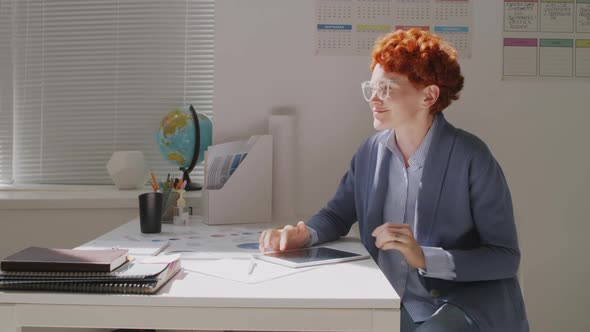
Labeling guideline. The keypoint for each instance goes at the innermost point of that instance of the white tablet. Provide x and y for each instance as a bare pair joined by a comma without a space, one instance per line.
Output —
309,256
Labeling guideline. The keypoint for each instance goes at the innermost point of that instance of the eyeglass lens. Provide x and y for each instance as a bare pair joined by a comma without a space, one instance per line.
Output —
370,90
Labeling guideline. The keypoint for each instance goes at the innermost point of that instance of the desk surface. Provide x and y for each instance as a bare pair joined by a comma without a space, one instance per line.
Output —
356,285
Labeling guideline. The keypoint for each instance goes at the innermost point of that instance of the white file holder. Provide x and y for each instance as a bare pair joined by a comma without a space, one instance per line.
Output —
246,197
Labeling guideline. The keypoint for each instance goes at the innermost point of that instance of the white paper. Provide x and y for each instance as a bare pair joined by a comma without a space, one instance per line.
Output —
521,16
557,16
211,242
583,61
520,57
198,241
582,17
546,38
162,259
237,270
556,61
143,248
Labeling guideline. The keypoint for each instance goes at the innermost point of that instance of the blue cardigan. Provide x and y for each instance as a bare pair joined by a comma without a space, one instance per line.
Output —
464,207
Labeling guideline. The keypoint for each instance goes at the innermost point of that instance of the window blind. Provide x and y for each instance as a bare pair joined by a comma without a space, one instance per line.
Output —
5,92
96,76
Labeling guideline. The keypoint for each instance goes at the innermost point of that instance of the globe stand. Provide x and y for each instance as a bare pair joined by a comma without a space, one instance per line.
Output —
191,186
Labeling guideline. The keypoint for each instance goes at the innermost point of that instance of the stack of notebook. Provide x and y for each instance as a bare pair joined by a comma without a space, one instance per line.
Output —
89,271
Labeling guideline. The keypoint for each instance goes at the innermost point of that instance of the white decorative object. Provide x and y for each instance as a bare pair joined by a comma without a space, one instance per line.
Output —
128,169
282,129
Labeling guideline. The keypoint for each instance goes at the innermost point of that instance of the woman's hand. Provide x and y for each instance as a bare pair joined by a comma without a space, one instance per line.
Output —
400,237
287,238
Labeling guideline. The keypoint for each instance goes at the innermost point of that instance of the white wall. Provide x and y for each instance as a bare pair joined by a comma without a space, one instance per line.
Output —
264,61
57,228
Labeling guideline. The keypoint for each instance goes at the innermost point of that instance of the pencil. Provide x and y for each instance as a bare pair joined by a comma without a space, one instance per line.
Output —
154,181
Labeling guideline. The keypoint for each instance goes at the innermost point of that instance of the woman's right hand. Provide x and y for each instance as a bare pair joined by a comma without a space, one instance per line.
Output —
288,238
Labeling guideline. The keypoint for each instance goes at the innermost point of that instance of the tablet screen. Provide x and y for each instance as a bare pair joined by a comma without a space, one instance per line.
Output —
308,255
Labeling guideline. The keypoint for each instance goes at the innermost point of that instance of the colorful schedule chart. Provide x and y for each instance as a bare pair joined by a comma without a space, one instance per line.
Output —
583,16
583,57
556,57
520,57
521,15
552,34
557,15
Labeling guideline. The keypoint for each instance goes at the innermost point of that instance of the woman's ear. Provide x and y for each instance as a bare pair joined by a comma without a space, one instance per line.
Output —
431,94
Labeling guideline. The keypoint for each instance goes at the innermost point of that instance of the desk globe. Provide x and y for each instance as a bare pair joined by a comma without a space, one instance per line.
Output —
183,137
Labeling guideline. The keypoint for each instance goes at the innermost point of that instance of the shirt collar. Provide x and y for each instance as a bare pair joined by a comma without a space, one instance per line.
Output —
419,157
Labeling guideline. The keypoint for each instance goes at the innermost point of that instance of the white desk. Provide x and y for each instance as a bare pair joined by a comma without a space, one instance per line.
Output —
353,296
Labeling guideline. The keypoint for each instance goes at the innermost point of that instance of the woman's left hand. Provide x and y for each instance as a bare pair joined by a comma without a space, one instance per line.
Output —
400,237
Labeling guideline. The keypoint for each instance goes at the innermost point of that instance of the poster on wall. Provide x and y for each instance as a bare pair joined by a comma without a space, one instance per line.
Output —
350,27
546,38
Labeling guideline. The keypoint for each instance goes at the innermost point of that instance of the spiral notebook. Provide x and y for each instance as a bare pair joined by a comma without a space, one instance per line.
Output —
145,277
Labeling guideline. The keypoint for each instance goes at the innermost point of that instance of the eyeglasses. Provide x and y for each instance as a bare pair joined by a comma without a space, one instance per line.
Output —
381,89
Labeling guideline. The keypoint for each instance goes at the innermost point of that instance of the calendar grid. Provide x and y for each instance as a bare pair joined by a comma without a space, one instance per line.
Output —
350,27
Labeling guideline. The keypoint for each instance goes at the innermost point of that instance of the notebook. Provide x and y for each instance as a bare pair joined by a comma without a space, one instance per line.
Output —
38,259
145,277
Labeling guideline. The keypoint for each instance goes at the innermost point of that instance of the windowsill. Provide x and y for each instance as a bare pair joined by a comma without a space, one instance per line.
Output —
40,197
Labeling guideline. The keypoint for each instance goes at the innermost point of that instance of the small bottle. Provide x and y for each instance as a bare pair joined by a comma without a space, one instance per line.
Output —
181,212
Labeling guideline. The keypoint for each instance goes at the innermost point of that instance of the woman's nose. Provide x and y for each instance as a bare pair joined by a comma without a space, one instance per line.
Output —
375,99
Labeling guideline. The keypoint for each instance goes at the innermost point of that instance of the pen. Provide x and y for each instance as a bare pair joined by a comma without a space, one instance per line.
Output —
251,266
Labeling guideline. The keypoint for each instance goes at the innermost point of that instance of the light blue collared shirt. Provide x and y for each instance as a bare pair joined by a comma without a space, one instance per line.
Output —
401,203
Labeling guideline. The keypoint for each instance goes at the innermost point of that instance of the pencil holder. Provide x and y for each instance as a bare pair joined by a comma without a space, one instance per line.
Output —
168,205
150,212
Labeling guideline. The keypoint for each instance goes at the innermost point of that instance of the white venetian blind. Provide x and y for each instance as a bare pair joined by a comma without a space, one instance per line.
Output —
97,76
5,92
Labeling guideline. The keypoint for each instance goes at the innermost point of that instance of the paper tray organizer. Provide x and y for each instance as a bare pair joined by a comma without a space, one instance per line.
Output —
246,197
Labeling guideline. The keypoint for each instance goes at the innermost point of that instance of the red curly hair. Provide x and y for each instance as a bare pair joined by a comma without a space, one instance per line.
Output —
424,58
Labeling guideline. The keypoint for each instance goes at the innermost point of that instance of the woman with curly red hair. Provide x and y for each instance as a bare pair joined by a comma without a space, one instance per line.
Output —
432,203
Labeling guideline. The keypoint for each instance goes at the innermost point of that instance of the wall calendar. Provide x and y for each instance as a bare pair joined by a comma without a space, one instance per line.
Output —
350,27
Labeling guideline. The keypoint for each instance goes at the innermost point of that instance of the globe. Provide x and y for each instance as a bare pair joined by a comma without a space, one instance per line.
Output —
178,142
